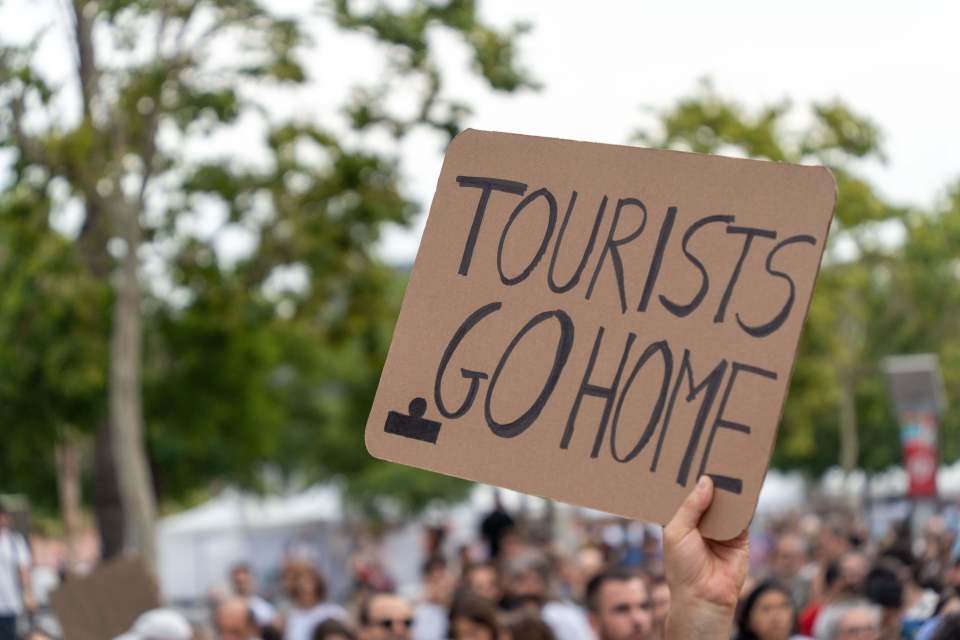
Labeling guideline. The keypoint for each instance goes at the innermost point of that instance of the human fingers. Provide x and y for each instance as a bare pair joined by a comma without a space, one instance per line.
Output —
691,509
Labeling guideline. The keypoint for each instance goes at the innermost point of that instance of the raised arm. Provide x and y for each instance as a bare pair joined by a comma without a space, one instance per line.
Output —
705,576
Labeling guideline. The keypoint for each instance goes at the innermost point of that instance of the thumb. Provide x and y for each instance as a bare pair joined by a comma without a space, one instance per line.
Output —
692,508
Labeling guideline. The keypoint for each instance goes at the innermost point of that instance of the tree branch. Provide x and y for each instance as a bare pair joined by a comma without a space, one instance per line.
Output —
86,56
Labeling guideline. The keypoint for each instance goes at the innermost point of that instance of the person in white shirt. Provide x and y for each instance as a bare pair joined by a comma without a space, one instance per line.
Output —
16,594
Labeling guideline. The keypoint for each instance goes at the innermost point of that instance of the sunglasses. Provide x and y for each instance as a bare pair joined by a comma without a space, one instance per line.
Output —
388,623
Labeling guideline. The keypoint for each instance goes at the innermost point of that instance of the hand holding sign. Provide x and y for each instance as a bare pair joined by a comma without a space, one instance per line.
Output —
705,576
603,325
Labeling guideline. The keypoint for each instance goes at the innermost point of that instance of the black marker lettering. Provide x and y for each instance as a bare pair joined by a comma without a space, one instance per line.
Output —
663,349
611,248
589,389
488,185
551,223
564,345
657,259
763,330
575,278
749,232
683,310
711,385
473,376
733,485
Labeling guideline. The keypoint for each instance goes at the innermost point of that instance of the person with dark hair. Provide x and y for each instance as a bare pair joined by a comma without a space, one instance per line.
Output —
16,593
385,616
308,593
524,625
241,579
767,613
473,618
482,579
884,588
333,630
495,526
235,620
619,605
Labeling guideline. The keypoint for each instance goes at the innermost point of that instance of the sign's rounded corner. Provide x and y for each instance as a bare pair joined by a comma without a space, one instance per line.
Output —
465,137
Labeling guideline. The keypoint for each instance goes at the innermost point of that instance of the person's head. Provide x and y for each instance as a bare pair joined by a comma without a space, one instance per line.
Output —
526,625
438,582
766,613
242,579
386,616
660,599
528,579
789,556
857,621
853,570
482,579
590,561
619,606
308,587
833,540
884,588
473,618
4,516
331,629
234,620
290,572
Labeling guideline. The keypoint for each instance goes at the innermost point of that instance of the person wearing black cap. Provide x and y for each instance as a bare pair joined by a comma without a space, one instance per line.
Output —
16,595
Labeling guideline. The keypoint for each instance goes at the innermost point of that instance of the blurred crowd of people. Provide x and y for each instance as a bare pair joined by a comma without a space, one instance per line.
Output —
812,576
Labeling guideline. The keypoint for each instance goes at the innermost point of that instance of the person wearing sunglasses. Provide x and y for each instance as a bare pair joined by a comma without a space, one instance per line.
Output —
386,616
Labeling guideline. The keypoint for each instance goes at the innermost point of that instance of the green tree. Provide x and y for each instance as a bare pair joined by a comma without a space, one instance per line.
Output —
837,397
235,370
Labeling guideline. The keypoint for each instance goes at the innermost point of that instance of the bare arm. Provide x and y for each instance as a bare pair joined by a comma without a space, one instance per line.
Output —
705,576
29,602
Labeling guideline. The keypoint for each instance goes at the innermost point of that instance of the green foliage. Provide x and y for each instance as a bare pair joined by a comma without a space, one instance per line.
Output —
241,372
873,298
53,351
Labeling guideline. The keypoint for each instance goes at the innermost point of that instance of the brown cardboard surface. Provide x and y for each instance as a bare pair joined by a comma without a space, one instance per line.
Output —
105,603
680,305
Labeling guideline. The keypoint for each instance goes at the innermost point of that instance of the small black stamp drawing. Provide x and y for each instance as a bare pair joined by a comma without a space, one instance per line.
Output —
414,425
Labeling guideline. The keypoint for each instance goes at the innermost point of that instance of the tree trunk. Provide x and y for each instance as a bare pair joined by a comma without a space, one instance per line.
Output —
107,506
849,440
126,411
67,456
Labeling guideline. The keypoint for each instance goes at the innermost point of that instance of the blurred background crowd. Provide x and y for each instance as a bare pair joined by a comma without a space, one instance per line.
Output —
815,572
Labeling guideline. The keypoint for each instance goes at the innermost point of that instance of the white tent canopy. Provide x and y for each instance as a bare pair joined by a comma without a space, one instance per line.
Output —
197,547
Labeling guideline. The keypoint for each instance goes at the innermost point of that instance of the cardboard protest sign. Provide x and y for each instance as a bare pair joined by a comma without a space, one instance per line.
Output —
105,603
602,324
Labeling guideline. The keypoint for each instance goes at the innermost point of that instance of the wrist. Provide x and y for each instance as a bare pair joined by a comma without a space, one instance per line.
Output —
696,619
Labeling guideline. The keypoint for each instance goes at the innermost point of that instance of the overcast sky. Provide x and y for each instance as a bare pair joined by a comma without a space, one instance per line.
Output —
602,62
